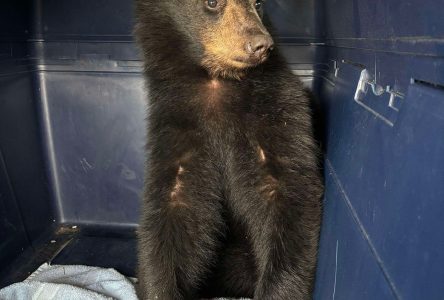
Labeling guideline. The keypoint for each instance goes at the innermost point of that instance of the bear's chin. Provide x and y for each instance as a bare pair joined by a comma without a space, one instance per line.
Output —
226,73
228,69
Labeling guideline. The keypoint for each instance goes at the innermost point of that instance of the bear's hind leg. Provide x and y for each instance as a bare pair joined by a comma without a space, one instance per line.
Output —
235,274
180,231
281,209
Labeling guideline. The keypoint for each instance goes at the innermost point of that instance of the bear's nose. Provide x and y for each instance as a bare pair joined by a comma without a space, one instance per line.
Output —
260,45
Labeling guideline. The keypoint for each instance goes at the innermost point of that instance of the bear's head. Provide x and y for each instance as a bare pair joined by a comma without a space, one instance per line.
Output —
225,37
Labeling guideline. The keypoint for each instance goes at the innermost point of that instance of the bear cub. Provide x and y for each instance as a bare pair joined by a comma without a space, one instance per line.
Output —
232,202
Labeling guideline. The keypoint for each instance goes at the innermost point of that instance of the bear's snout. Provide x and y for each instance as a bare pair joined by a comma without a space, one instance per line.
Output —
259,46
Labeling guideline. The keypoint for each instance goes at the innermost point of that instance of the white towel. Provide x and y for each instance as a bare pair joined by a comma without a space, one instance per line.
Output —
71,283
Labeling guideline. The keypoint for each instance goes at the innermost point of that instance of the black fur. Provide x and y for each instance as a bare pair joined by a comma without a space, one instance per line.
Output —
218,220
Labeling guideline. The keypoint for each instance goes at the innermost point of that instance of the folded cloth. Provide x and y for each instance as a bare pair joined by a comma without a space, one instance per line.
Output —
71,283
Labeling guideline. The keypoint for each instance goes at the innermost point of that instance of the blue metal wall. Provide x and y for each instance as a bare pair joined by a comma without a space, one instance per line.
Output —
384,168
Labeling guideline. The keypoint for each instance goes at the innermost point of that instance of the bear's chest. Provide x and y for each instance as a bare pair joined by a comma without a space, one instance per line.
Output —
221,100
229,111
216,95
215,110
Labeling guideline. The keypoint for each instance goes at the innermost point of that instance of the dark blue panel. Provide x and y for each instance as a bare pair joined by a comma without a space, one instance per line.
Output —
393,177
22,151
13,239
389,161
84,19
293,19
384,19
14,19
348,268
417,187
97,129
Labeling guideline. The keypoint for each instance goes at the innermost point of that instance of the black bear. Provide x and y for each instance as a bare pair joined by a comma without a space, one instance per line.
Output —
233,187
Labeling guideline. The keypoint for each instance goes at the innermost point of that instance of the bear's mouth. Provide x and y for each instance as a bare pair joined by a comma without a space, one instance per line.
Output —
231,66
250,61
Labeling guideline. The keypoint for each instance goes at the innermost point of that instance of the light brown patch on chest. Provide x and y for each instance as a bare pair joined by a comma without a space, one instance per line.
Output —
212,94
269,187
176,194
261,154
214,84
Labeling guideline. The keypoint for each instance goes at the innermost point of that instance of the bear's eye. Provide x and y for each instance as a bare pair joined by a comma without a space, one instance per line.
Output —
212,4
258,4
